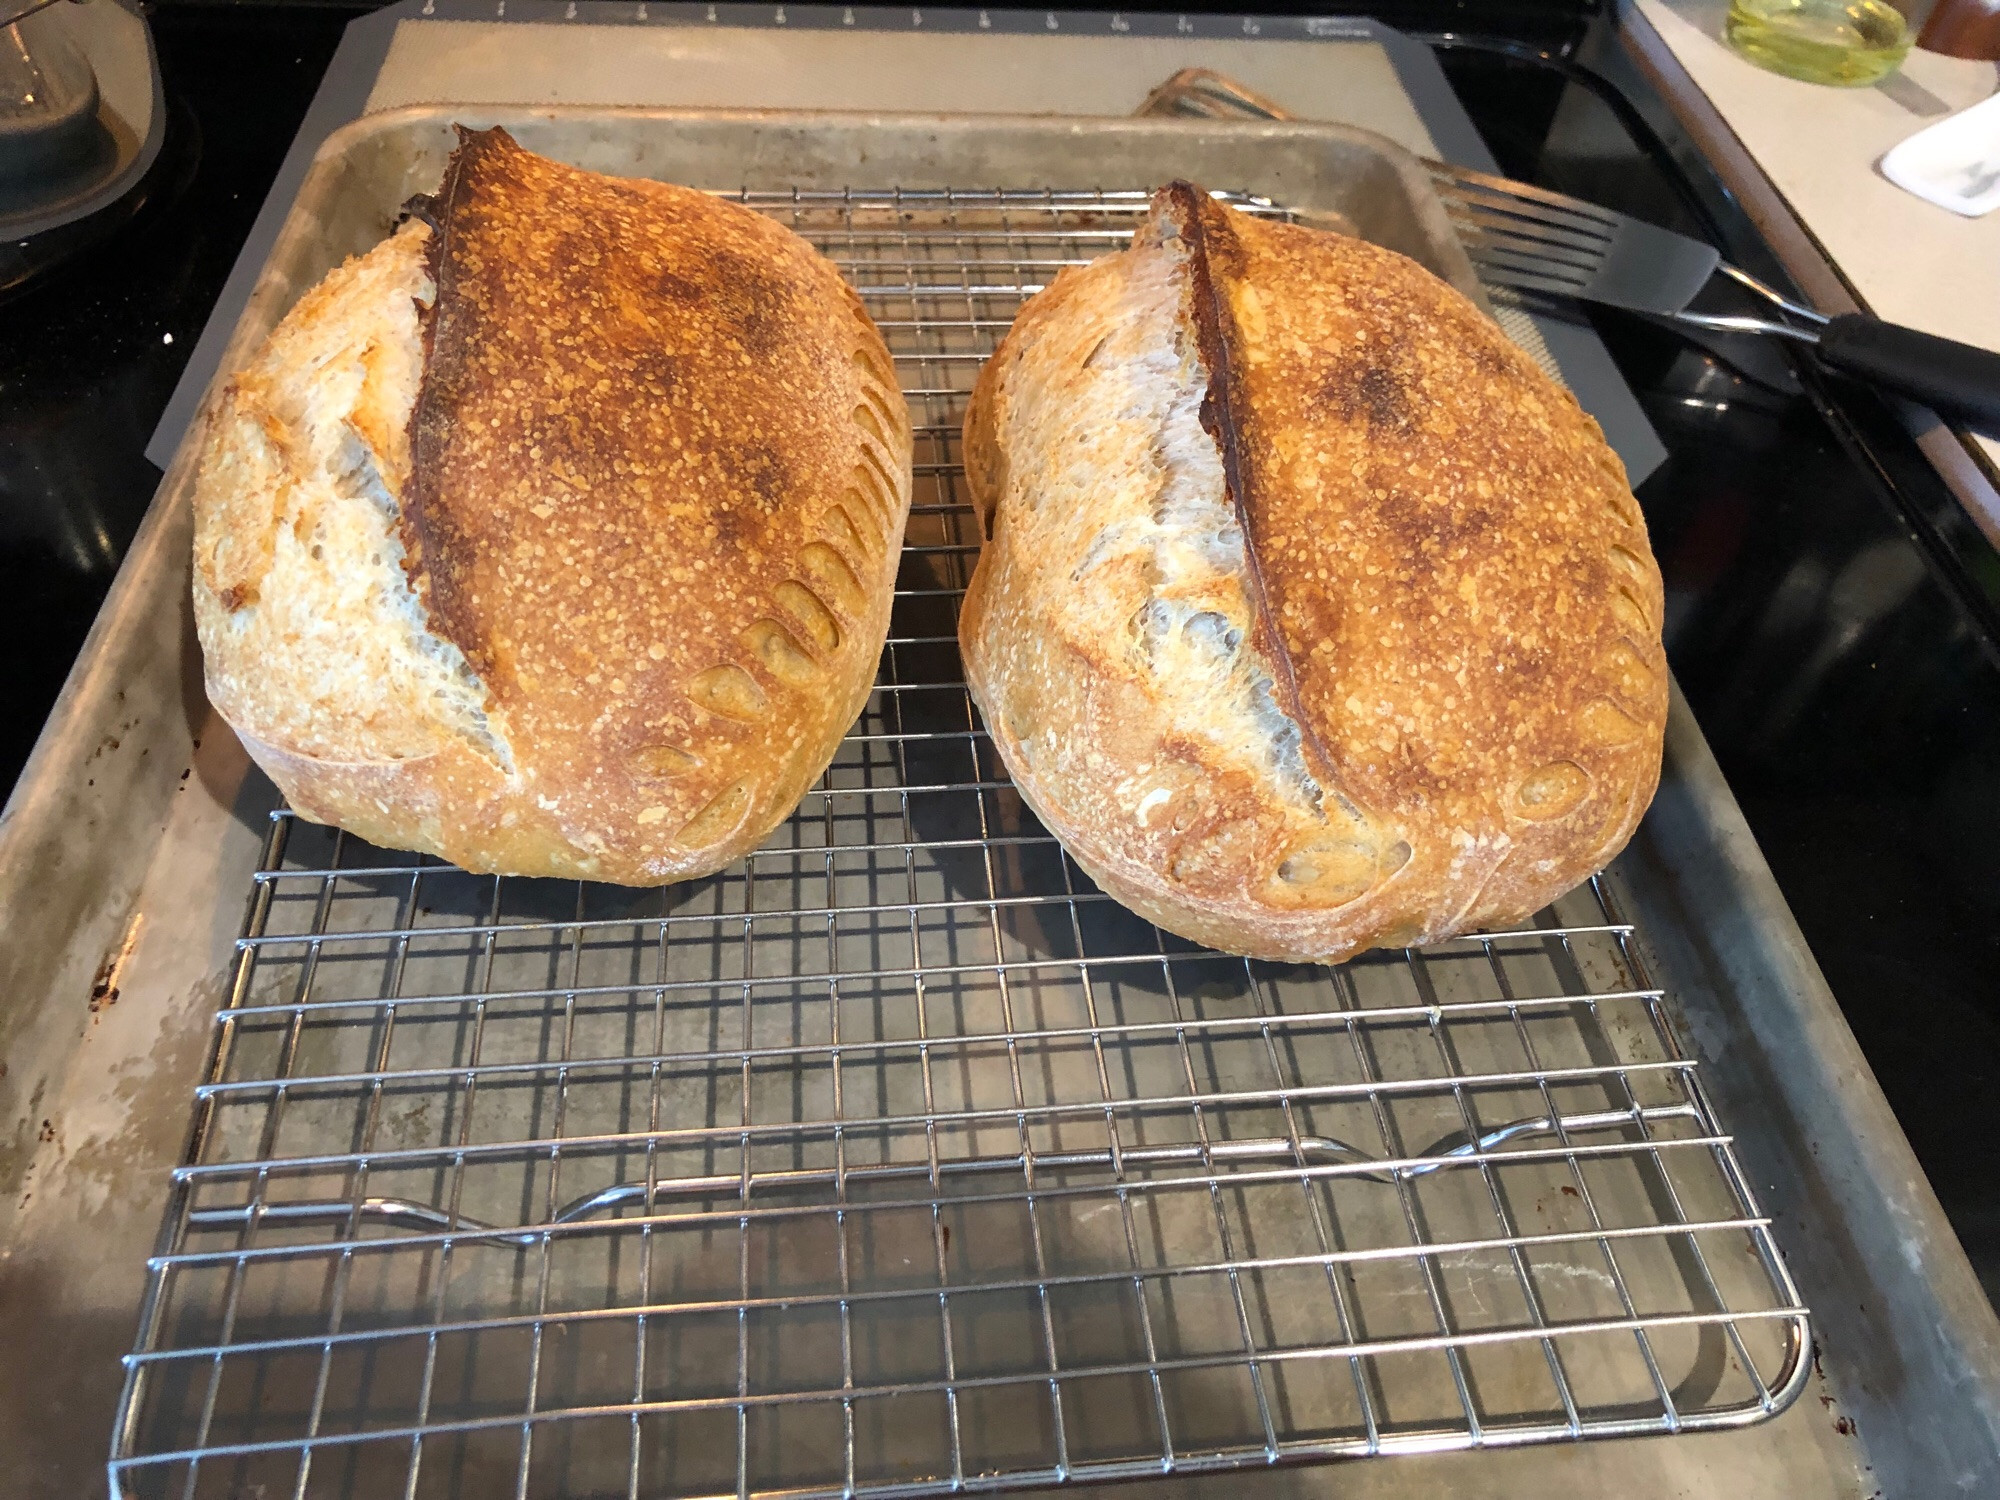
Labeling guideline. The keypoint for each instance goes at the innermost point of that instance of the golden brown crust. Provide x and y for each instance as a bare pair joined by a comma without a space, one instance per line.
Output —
1446,583
659,471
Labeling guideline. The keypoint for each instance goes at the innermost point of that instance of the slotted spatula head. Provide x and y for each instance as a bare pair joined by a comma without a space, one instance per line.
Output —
1536,241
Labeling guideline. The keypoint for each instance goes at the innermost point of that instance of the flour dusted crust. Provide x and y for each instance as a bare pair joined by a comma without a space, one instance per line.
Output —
557,534
1313,617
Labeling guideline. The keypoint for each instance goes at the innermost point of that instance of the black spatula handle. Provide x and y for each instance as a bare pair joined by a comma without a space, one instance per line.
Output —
1955,380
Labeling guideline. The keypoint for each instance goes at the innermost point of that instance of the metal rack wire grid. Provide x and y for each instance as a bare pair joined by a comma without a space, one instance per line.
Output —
897,1159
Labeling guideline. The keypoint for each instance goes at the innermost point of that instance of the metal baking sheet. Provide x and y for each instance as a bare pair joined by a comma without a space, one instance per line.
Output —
898,1158
1010,1046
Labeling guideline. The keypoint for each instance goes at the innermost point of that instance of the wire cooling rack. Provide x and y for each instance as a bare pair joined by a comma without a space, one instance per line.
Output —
898,1159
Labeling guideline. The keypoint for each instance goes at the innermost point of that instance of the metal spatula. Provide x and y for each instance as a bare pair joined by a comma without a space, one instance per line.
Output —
1537,241
1549,244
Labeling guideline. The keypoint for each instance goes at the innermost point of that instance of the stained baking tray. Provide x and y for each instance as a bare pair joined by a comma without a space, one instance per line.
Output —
896,1159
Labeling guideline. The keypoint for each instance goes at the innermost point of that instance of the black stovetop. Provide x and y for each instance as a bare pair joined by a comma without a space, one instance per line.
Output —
1833,617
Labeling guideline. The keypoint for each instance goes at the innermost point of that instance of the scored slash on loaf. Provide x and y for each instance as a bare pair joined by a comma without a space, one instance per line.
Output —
557,534
1312,617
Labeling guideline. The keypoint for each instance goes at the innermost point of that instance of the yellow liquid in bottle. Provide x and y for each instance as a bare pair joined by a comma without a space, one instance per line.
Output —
1847,42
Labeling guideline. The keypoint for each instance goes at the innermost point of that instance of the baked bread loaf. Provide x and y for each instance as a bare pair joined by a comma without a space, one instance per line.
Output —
1312,617
557,534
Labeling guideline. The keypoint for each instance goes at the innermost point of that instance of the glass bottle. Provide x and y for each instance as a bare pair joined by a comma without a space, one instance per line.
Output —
1846,42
